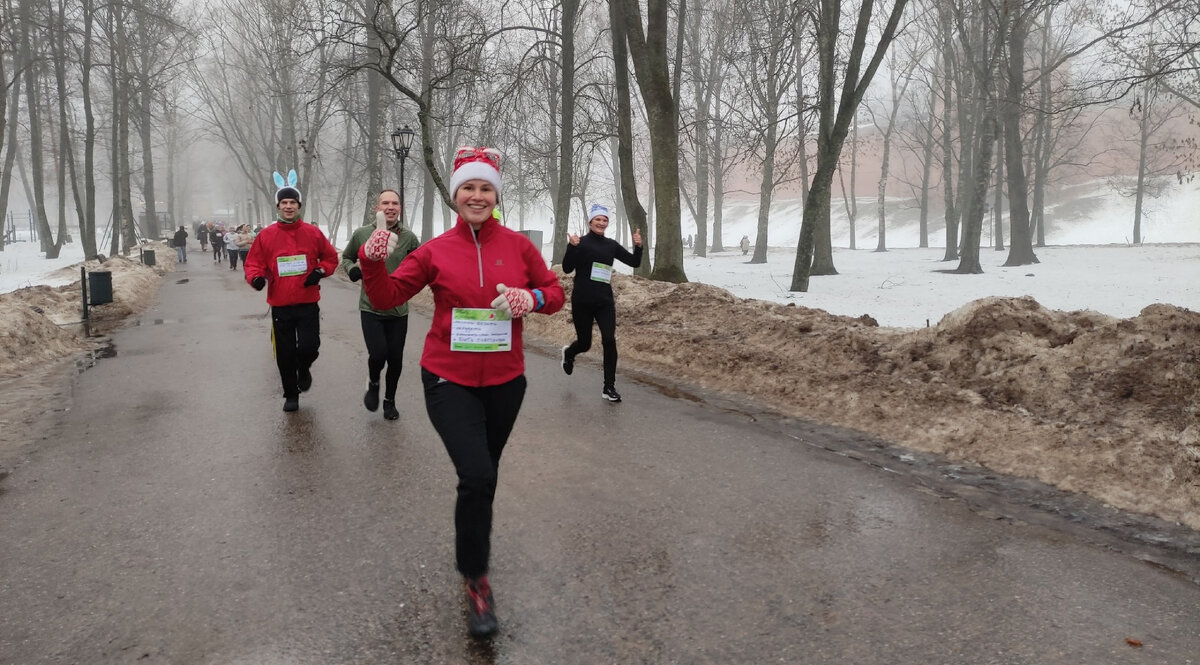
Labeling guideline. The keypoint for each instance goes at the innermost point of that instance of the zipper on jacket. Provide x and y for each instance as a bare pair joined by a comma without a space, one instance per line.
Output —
479,364
478,255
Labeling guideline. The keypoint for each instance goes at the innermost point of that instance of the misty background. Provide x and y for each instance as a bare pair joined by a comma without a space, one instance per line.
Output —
971,125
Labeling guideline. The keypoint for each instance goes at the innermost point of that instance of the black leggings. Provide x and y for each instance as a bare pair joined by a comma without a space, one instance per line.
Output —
233,257
297,337
474,424
605,316
385,337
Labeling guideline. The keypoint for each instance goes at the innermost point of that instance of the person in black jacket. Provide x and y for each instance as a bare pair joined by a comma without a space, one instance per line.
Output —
179,242
591,259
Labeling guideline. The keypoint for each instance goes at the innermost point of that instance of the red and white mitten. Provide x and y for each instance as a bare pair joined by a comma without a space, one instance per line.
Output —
381,243
514,302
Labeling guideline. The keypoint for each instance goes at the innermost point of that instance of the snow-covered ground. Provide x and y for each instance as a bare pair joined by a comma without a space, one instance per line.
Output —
903,286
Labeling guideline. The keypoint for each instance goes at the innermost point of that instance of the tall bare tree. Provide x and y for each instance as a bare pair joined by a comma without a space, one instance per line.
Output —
647,44
834,121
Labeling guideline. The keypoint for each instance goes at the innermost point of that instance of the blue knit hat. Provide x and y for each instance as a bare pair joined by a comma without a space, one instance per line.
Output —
596,211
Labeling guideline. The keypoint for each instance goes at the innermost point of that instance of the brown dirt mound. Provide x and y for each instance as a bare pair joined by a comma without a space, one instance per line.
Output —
41,335
1080,400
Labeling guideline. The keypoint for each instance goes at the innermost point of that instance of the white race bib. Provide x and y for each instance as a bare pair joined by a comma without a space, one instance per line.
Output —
602,273
290,266
480,330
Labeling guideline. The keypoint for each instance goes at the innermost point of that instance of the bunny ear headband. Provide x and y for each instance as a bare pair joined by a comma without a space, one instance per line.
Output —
287,190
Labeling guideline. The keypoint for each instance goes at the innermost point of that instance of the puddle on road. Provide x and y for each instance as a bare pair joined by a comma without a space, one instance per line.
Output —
185,280
108,350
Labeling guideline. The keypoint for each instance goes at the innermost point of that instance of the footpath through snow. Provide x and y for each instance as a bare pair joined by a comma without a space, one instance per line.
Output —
1082,401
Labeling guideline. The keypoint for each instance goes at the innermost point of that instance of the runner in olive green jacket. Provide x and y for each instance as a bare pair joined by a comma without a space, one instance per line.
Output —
384,331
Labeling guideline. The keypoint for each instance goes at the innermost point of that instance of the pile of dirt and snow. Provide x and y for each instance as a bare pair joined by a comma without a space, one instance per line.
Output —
1089,403
1086,402
42,335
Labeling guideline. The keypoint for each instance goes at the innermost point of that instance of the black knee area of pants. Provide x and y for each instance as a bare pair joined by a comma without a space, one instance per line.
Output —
477,488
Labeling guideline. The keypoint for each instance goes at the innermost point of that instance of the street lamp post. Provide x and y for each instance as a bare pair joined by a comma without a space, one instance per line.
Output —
402,140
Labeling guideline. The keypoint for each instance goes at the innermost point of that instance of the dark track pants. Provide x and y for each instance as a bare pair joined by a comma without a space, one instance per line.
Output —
474,424
605,316
385,336
297,330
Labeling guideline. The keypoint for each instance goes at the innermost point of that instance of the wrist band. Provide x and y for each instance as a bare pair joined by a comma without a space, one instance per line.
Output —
541,300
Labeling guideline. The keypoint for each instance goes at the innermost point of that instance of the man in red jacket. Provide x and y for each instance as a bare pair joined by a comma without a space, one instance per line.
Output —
290,257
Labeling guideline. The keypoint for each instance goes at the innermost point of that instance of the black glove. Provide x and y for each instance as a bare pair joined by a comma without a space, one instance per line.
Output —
313,277
258,283
355,274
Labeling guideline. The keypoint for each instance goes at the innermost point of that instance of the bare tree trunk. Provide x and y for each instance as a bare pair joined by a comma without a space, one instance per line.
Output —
927,142
835,125
113,24
87,220
1021,247
8,139
373,148
702,100
633,206
949,194
766,187
122,110
973,223
998,201
1043,148
718,173
145,102
648,51
566,145
849,198
898,92
171,120
33,112
1143,152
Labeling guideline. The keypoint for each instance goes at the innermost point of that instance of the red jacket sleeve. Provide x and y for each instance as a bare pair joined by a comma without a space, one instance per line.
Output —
544,279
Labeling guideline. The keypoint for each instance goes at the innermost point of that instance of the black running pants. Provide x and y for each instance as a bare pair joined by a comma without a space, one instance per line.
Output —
297,330
605,316
385,336
474,424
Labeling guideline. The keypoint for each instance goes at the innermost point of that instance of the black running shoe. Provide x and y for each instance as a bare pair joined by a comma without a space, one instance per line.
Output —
611,395
481,610
371,397
304,380
568,364
389,409
291,404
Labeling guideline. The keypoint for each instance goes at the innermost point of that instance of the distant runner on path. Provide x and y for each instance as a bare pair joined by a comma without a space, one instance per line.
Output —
289,258
384,331
591,258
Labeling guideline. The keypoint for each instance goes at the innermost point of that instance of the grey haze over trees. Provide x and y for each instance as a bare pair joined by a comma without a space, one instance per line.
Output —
110,112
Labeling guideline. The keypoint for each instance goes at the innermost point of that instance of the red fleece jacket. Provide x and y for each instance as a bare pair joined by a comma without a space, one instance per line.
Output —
280,240
463,271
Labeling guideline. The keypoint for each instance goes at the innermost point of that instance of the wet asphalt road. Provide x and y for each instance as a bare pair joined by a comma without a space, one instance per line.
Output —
177,515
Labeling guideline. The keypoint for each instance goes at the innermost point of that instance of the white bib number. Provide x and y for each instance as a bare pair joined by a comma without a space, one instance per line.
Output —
480,330
602,273
291,266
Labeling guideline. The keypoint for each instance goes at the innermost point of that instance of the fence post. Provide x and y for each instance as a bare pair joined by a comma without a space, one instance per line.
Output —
83,287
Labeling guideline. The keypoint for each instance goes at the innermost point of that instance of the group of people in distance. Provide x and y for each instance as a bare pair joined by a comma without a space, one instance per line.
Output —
231,244
484,279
